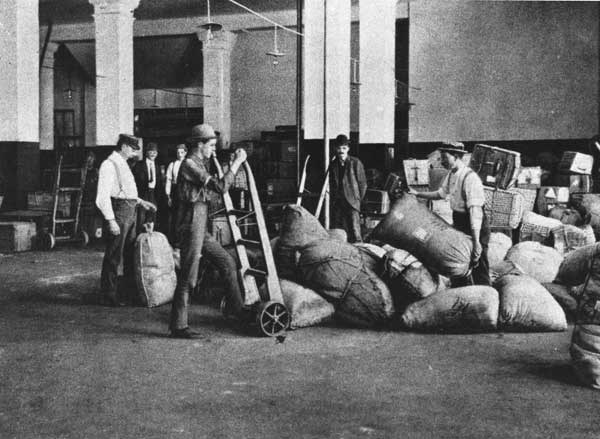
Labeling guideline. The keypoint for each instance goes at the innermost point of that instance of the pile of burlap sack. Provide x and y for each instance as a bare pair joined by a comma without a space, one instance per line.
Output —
401,278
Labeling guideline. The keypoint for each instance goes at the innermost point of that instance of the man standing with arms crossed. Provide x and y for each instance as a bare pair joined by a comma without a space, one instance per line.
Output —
117,199
467,198
193,184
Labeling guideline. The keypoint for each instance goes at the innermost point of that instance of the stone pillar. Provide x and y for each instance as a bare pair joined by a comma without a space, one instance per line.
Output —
217,82
19,105
114,68
47,98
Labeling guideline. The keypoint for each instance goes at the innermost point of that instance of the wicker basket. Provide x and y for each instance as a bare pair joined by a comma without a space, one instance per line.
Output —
504,208
568,238
529,197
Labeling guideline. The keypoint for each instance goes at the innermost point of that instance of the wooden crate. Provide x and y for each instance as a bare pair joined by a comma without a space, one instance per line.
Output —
416,172
17,236
576,163
495,166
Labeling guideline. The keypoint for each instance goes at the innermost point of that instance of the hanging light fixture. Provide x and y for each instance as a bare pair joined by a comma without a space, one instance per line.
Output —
210,27
275,53
68,92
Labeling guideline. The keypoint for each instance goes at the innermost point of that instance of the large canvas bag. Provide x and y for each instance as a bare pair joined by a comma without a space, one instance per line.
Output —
412,227
154,269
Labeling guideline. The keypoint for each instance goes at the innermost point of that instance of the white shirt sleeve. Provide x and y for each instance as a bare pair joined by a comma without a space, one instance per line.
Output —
106,180
169,178
442,190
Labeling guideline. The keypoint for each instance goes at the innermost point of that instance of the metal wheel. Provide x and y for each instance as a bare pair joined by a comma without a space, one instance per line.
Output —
47,241
273,318
83,238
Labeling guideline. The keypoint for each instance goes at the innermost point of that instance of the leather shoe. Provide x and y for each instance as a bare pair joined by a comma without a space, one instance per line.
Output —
186,333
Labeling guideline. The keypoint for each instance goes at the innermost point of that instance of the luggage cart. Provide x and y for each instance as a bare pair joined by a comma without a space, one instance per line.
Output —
66,229
272,317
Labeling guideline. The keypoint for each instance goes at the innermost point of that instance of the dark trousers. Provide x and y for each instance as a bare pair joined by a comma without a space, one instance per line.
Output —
481,273
195,242
344,216
146,216
173,211
119,248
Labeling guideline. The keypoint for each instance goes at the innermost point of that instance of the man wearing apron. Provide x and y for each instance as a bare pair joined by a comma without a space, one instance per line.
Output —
193,183
467,198
117,198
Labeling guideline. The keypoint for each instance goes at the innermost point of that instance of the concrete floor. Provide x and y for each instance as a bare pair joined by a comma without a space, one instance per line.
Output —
70,368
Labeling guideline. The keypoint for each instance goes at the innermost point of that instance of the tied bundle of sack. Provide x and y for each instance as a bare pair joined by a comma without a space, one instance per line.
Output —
154,268
336,270
583,267
412,227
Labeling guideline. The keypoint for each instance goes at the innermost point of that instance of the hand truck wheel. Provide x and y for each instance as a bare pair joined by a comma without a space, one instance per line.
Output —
47,241
272,318
83,238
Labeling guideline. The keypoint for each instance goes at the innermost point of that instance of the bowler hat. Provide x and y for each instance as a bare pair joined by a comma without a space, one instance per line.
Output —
453,148
202,133
128,139
342,139
181,146
152,147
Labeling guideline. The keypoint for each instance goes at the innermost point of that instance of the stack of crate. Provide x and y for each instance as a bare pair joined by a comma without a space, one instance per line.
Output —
574,172
279,167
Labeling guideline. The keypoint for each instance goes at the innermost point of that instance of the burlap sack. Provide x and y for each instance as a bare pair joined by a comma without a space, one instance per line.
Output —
412,227
336,271
466,309
305,306
498,247
300,228
526,306
154,269
585,354
536,260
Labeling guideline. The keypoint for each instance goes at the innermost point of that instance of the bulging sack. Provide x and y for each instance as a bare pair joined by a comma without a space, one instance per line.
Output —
372,256
154,269
286,259
305,306
585,354
300,228
564,296
503,268
498,247
335,270
467,309
536,260
525,305
412,227
408,279
576,265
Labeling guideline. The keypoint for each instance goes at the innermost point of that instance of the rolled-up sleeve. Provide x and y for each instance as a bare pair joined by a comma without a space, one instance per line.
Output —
442,190
474,191
106,180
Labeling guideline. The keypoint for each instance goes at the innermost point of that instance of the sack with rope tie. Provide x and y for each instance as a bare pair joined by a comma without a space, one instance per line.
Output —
336,270
154,269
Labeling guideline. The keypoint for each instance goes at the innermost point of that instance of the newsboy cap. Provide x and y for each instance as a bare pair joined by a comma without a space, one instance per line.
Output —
128,139
202,133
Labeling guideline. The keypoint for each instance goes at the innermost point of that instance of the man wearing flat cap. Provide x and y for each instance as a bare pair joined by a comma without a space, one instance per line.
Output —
117,199
194,182
467,198
348,185
149,185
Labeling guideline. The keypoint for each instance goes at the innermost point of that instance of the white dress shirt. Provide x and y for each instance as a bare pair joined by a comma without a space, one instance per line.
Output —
151,166
115,180
172,173
453,186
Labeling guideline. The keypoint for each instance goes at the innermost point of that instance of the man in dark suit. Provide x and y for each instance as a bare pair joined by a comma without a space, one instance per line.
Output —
348,185
149,184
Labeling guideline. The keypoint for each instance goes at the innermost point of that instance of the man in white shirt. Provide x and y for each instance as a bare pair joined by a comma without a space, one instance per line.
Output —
465,190
148,180
171,191
117,198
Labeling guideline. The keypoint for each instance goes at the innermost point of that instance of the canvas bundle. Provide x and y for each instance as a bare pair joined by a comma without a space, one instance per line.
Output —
536,260
154,269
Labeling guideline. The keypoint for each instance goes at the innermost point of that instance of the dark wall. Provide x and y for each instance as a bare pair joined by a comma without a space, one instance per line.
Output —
19,172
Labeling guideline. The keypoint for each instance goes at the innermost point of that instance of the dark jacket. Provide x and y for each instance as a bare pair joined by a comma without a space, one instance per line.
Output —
194,180
354,181
140,173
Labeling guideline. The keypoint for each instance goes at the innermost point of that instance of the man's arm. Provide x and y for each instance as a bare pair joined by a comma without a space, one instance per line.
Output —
106,180
475,198
169,177
362,178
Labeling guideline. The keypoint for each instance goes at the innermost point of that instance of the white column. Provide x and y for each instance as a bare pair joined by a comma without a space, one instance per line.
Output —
377,29
217,82
19,70
114,68
337,78
47,98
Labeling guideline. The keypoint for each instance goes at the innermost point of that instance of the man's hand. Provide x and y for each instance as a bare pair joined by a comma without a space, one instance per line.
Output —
147,205
169,201
412,191
114,228
240,155
476,253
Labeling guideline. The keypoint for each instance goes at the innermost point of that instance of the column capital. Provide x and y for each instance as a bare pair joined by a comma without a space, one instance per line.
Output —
114,6
222,40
